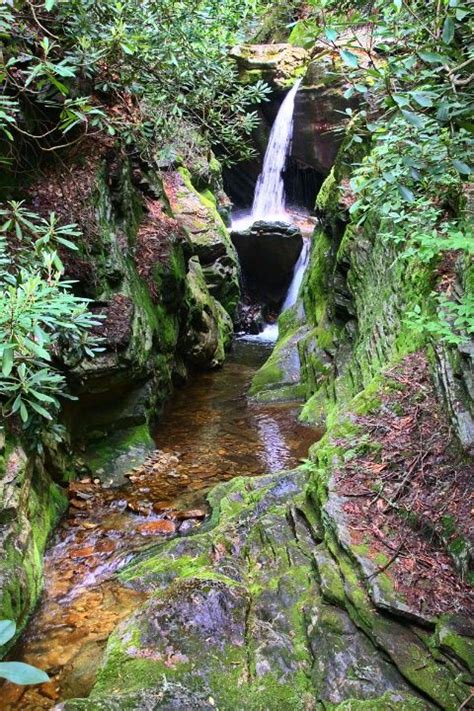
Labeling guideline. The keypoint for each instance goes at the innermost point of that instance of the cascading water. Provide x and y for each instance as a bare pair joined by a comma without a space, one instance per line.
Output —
269,199
269,202
298,274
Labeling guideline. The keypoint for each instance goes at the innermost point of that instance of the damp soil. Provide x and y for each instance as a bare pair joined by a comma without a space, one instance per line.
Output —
209,433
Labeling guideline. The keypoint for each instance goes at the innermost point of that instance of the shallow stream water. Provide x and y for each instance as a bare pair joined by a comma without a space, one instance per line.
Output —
210,432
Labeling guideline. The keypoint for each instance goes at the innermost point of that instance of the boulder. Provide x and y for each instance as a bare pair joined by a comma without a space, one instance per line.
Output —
208,329
268,252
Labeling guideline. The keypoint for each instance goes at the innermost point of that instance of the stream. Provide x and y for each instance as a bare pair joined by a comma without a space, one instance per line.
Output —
210,432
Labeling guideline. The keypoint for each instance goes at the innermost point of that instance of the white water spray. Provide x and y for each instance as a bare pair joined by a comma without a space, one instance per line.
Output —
269,199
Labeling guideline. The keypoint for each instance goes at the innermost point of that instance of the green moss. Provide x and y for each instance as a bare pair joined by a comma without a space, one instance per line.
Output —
30,507
449,639
132,445
387,702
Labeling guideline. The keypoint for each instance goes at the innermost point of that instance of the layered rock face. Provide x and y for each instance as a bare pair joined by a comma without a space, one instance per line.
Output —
277,64
31,503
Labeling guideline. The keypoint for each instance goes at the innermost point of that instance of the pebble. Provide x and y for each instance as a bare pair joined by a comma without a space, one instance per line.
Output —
156,527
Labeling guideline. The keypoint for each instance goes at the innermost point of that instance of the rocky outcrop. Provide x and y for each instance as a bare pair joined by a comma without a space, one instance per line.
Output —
30,506
206,236
277,64
139,233
207,333
268,252
163,312
320,116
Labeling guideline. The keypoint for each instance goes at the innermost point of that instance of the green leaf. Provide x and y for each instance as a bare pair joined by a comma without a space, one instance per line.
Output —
413,119
41,396
433,57
448,30
40,410
462,167
331,34
406,193
349,58
7,363
37,349
7,630
422,98
23,413
23,674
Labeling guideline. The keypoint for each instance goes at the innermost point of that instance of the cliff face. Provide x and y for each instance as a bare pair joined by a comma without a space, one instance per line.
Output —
341,584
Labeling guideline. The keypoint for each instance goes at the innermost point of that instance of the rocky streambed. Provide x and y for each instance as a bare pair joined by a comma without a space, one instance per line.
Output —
210,433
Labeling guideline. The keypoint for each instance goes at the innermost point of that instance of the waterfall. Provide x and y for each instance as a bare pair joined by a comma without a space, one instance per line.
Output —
269,199
298,274
269,202
270,331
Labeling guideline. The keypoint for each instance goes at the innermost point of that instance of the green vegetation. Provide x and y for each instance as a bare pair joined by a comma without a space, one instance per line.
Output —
18,672
154,75
409,64
42,323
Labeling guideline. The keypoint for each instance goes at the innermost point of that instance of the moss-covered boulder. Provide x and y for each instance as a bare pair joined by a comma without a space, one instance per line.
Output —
264,610
207,332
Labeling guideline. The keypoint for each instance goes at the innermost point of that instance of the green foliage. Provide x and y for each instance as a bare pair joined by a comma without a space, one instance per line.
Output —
42,323
133,69
410,66
18,672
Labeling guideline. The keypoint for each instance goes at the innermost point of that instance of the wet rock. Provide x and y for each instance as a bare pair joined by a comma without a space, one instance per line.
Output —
319,116
78,504
208,330
154,528
268,252
186,527
207,235
277,64
86,552
191,513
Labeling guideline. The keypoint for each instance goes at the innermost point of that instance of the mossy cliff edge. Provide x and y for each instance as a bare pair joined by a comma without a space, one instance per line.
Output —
313,589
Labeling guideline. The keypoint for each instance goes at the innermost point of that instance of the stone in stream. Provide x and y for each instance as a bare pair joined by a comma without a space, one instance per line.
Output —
243,619
163,526
268,252
187,526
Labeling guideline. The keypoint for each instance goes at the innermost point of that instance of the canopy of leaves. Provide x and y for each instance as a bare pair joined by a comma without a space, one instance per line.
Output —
138,70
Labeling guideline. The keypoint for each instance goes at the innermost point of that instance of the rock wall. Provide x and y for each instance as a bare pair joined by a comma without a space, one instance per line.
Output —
31,503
